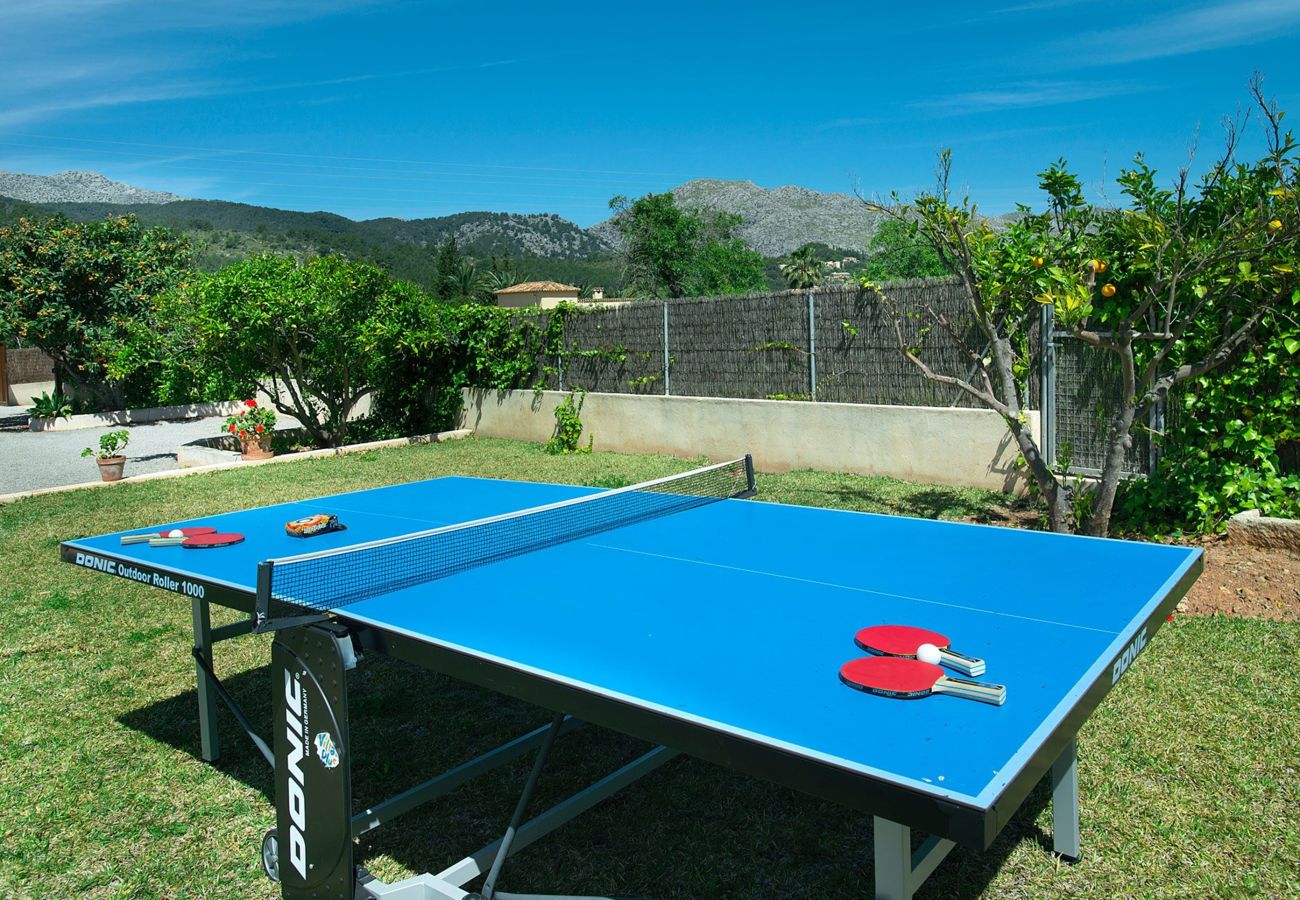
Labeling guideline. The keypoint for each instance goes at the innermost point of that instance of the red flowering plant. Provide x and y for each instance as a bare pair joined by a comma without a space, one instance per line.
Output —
252,422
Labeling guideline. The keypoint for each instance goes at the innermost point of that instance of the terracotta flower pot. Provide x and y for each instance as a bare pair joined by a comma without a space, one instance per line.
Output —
257,447
110,468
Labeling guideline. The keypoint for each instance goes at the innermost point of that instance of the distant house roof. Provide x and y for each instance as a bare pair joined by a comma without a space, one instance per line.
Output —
533,287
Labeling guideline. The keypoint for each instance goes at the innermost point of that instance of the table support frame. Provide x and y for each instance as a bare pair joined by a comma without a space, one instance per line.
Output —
207,687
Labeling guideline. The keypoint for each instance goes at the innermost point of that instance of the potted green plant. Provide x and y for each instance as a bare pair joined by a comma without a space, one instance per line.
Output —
109,455
252,428
47,409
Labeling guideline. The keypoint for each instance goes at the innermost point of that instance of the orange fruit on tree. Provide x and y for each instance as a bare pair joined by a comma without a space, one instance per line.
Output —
1038,262
1097,265
1108,290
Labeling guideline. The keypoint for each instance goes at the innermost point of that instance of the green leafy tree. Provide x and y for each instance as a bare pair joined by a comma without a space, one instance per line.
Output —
674,252
316,336
898,252
803,269
451,347
1175,286
446,270
73,289
501,273
1226,442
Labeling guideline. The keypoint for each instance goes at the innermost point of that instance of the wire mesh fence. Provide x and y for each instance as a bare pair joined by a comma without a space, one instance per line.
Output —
618,350
839,344
858,355
1088,382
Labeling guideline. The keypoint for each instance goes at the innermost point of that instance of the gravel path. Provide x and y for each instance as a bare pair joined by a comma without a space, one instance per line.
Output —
47,459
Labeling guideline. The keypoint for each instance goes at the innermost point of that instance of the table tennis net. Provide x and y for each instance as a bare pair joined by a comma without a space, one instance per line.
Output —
319,582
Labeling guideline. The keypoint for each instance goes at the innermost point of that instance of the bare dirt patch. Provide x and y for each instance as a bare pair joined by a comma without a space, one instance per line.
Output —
1241,580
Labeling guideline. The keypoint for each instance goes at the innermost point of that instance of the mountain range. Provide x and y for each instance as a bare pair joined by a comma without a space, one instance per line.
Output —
774,222
75,187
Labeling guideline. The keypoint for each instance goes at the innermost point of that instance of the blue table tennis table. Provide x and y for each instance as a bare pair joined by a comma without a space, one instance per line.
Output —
705,622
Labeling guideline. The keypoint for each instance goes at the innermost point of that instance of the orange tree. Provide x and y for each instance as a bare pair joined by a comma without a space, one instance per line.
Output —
1175,286
74,289
315,336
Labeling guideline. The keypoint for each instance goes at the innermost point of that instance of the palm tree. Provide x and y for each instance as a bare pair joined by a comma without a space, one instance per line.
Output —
495,279
468,285
803,269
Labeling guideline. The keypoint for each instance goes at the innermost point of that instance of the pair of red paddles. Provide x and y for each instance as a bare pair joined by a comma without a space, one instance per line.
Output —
894,671
200,537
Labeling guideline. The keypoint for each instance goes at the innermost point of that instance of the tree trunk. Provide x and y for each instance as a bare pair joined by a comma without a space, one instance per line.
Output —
1119,439
1058,497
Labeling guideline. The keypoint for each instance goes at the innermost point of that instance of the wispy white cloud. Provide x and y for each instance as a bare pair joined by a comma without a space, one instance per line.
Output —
63,57
1187,29
12,115
149,15
366,76
1023,95
35,15
859,122
1039,5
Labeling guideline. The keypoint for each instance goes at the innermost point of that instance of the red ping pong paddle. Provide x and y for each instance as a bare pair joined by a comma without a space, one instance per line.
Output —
902,640
152,536
907,679
199,541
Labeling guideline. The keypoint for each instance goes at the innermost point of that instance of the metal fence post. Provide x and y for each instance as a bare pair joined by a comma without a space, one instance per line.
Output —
1047,387
812,346
1156,424
666,390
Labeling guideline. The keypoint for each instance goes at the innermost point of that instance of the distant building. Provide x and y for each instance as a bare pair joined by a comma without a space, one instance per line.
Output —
546,294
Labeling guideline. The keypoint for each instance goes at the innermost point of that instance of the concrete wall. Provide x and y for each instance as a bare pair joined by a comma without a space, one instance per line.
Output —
965,447
25,394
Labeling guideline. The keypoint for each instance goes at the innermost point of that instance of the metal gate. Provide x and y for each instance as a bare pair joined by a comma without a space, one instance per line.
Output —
1081,384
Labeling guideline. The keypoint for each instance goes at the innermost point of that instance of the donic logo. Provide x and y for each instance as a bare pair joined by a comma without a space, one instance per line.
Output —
1126,658
94,562
325,749
294,701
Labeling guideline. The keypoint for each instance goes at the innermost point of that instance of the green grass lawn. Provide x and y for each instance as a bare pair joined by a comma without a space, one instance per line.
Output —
1188,772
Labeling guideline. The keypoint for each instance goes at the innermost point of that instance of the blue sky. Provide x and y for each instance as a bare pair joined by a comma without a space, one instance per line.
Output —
416,109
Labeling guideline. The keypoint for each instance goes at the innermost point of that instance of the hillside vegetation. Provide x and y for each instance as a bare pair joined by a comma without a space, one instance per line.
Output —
772,222
541,246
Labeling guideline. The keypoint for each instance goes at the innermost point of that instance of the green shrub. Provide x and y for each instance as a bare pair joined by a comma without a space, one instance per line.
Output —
568,427
1222,453
457,346
46,406
111,444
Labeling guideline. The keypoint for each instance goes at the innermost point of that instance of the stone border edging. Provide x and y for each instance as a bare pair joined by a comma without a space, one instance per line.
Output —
414,440
1258,530
137,416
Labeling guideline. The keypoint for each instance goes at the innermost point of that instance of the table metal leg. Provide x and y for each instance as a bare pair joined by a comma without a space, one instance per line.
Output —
209,744
1065,804
899,871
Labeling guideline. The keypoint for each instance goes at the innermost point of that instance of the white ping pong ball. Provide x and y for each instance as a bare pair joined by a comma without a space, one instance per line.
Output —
176,532
928,653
